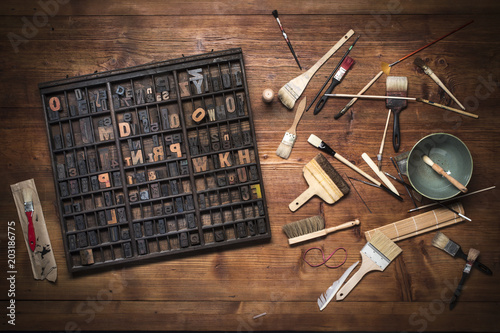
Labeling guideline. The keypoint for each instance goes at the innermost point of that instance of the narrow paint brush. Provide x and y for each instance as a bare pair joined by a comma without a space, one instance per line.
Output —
396,86
381,150
285,148
420,63
442,242
292,90
310,228
455,198
28,209
376,255
443,173
285,36
339,75
471,258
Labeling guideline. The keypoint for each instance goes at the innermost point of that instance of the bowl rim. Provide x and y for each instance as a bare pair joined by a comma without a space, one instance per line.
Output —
425,137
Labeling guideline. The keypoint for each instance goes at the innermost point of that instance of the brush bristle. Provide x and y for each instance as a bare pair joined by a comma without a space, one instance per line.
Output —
347,63
275,13
27,195
472,255
419,62
385,246
286,97
332,173
303,227
397,83
427,160
285,148
314,140
440,240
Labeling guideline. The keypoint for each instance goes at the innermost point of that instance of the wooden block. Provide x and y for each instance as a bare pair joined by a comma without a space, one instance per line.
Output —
220,111
72,242
150,98
193,145
241,230
179,205
231,107
238,78
198,115
189,202
72,172
261,226
111,216
215,84
72,111
104,181
191,223
174,189
122,216
206,84
116,102
92,234
173,171
84,185
254,174
92,165
55,104
164,190
68,140
82,107
148,228
251,228
141,247
226,140
140,96
63,189
113,234
240,109
144,195
120,199
86,130
255,191
57,141
196,78
221,180
77,208
87,257
184,88
245,193
61,171
226,80
137,230
108,199
225,160
127,250
260,207
164,118
68,209
81,238
125,234
101,218
106,133
183,240
202,203
219,235
93,107
80,222
194,239
237,139
94,183
161,226
70,161
144,120
117,179
244,156
140,177
82,167
155,191
78,94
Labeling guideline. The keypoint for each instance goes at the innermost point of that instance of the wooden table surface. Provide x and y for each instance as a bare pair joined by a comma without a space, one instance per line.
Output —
223,290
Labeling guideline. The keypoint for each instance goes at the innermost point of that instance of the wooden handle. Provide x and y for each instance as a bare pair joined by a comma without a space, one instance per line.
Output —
380,175
358,170
468,114
302,199
441,84
298,114
342,226
321,233
385,132
452,180
367,266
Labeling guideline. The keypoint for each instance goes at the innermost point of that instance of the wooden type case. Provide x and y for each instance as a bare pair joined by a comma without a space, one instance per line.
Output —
155,160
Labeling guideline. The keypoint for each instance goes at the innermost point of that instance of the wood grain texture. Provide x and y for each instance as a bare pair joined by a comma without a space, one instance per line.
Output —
223,290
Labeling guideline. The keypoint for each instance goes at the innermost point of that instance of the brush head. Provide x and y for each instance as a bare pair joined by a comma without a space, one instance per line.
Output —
287,96
427,160
27,195
303,227
472,255
332,174
386,68
275,13
347,63
285,148
396,86
315,141
385,246
441,241
420,63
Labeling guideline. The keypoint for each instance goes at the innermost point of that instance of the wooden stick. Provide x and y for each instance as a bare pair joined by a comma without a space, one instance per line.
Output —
443,173
375,169
379,155
468,114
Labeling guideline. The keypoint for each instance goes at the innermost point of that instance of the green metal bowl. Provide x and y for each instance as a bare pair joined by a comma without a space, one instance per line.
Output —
447,151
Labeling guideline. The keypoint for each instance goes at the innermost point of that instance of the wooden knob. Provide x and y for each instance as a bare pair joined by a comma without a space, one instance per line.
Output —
268,95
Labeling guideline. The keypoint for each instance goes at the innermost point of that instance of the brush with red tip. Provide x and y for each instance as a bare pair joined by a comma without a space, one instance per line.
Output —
344,67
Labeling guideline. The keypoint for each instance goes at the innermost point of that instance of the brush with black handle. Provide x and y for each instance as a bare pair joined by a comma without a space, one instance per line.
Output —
471,258
396,86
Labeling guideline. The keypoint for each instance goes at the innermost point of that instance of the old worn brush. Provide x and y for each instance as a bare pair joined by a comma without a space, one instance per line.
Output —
376,255
471,258
396,86
285,148
442,242
310,228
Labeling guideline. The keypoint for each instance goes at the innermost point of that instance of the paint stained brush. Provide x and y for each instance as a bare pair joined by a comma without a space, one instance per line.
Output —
442,242
285,36
285,148
471,258
396,86
28,209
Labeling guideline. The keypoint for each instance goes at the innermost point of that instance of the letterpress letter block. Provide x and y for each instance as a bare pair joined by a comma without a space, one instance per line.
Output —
195,239
183,240
93,238
262,226
63,188
148,228
242,230
219,235
137,230
191,223
111,216
72,242
127,250
161,226
189,202
101,218
113,234
57,142
141,247
87,257
155,191
82,239
122,217
179,205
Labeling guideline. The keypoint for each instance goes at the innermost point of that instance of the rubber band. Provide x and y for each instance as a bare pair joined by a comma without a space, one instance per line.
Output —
323,255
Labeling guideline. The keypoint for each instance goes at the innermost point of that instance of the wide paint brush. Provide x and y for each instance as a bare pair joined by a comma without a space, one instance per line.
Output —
396,86
285,148
471,258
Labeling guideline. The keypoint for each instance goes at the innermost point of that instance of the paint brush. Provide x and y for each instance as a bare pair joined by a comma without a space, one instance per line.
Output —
396,86
320,144
285,148
379,155
443,173
28,209
324,181
328,295
442,242
275,14
420,63
455,198
310,228
471,258
376,255
291,91
339,75
379,173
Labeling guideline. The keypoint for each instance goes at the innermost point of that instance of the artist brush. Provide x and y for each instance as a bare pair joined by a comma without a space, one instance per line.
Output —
420,63
376,255
379,155
452,199
320,144
332,73
379,174
310,228
406,186
387,67
443,173
285,148
422,100
397,86
28,209
471,258
349,179
285,36
378,186
442,242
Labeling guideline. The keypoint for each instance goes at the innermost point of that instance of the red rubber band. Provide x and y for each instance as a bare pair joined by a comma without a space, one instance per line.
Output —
323,255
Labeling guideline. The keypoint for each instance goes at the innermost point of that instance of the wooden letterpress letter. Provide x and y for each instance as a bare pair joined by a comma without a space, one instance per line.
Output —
239,78
82,239
113,234
144,195
127,250
86,130
117,179
225,159
87,257
221,112
256,193
155,191
158,154
101,218
141,247
211,112
140,96
72,242
137,157
111,216
73,187
161,226
200,164
245,193
219,235
144,119
191,223
173,187
55,104
184,87
80,222
82,107
226,140
61,171
164,118
189,202
230,106
242,230
195,239
226,81
122,217
93,238
106,133
254,175
183,240
260,207
148,228
125,234
251,228
261,226
94,182
104,181
174,120
69,140
137,230
172,169
198,115
85,185
244,156
176,148
108,199
196,78
57,142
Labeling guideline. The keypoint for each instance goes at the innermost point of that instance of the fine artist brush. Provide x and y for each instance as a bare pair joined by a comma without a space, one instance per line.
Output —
332,73
275,14
452,199
376,255
285,148
378,186
442,242
471,258
422,100
320,144
406,186
420,63
386,69
339,75
359,195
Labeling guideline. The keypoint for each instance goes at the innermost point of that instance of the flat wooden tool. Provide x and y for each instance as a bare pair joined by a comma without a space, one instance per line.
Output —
323,181
379,173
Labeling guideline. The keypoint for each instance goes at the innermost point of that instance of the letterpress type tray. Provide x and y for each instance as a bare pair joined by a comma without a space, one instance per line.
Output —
155,160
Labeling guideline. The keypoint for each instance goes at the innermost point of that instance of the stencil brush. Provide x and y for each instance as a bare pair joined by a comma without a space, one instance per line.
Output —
376,255
324,181
291,91
28,209
420,63
285,148
310,228
471,258
396,86
443,173
442,242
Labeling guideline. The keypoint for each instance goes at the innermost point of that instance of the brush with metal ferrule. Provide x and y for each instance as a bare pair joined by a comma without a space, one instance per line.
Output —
442,242
471,258
285,148
396,86
28,209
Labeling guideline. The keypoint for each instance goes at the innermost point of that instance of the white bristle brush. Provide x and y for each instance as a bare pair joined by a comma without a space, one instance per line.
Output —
285,148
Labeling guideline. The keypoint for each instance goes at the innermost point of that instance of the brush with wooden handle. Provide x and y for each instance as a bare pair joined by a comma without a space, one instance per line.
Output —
291,91
376,255
379,155
443,173
285,148
471,258
28,209
310,228
420,63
